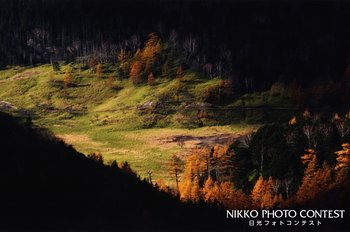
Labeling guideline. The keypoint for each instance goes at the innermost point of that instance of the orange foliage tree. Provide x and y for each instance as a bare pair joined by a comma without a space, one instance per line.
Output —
179,73
98,70
150,51
135,72
150,79
315,179
343,163
201,168
110,81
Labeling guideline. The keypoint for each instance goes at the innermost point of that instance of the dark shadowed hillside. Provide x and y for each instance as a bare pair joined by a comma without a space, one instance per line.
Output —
46,184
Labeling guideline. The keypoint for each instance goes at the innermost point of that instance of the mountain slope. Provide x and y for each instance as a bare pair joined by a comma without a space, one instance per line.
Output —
46,184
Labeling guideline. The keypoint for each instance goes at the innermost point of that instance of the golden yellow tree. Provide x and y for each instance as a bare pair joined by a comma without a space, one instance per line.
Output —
195,190
185,189
293,121
209,190
305,192
267,198
343,157
343,163
315,180
258,192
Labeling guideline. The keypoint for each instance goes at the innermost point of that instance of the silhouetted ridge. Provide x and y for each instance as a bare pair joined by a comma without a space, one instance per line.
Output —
46,184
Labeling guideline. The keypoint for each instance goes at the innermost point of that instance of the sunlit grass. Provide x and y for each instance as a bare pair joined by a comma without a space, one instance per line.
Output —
107,119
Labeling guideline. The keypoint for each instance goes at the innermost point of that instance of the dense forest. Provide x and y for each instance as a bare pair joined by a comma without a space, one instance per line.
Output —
281,165
252,43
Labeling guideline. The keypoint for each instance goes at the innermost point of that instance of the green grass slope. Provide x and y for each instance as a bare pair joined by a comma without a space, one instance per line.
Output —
122,121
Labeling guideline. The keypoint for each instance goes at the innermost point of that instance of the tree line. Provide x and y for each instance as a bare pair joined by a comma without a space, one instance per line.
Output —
251,43
279,166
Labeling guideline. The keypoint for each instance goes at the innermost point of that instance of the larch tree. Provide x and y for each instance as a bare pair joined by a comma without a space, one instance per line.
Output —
99,70
135,72
258,192
195,190
267,198
150,51
342,125
150,79
110,81
123,63
306,190
225,193
176,165
307,114
208,191
293,121
179,73
342,167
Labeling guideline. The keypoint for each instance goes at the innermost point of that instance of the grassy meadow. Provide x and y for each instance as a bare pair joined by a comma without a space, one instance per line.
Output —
107,114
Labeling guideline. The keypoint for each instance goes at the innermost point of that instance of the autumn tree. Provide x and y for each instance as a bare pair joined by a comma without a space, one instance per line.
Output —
224,166
110,81
135,72
150,51
97,157
99,70
342,125
268,194
122,58
293,121
315,180
209,190
258,192
160,184
195,190
307,114
176,165
343,163
224,194
179,73
150,79
343,157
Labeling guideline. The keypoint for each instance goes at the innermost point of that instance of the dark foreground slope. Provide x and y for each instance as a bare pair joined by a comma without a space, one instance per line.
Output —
46,184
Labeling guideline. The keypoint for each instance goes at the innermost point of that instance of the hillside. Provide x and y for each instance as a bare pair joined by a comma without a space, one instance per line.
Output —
145,124
140,124
47,185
